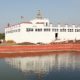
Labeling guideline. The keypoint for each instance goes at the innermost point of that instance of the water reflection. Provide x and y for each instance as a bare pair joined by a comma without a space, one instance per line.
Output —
45,64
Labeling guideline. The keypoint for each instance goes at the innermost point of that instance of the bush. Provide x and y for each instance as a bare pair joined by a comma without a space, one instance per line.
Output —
10,41
26,43
2,35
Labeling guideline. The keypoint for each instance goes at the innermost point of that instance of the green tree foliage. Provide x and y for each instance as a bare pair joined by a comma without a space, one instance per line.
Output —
2,35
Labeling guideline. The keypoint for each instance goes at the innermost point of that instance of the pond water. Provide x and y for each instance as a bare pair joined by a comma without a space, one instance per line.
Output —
61,66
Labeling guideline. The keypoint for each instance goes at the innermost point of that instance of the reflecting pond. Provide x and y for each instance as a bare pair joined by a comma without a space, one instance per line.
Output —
61,66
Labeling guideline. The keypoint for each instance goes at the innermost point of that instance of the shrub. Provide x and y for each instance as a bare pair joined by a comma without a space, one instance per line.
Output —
10,41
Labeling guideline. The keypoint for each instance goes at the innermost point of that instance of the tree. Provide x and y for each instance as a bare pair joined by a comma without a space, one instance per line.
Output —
2,35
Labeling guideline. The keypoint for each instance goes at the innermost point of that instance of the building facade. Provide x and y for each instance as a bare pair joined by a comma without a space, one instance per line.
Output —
41,30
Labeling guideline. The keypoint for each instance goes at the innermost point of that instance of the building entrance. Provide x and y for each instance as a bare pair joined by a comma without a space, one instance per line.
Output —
56,36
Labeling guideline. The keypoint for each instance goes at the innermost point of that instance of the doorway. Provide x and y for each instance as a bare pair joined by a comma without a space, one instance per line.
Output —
56,36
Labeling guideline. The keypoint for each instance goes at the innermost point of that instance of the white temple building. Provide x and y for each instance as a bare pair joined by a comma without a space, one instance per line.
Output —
41,30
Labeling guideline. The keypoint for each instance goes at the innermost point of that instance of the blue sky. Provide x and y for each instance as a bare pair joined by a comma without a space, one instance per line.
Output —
58,11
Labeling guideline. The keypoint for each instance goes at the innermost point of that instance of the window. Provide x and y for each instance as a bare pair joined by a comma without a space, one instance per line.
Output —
55,30
29,29
46,29
13,31
38,29
70,30
18,30
77,30
46,24
63,30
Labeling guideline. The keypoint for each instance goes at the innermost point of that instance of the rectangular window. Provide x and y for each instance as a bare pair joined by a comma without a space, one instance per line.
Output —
47,29
63,30
54,30
18,30
29,29
70,30
77,30
38,29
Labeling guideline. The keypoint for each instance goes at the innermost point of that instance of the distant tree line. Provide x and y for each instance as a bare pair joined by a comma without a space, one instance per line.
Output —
2,35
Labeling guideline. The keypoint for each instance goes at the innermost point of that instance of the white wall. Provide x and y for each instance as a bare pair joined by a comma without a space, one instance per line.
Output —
44,37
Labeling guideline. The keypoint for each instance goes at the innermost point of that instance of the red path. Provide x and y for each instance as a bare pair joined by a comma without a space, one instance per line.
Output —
32,50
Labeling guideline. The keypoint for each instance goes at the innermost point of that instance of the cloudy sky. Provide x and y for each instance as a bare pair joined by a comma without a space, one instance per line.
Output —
58,11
